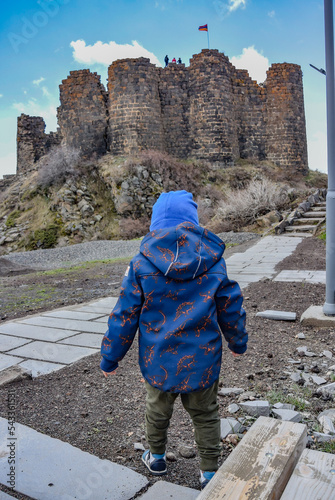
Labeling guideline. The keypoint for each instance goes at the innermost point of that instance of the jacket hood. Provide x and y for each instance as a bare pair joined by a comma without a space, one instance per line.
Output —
173,208
182,252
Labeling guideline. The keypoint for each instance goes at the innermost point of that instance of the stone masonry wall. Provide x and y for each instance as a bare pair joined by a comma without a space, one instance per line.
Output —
174,99
32,142
213,132
82,115
209,110
135,116
286,143
250,105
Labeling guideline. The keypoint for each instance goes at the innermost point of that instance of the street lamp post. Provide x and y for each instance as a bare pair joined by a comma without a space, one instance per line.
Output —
329,305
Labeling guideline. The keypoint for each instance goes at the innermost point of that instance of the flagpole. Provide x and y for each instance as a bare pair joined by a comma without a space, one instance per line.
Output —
208,36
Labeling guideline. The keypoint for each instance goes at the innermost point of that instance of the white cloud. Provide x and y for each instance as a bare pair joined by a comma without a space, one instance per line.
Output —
236,4
33,108
1,95
254,62
272,13
106,53
37,82
223,9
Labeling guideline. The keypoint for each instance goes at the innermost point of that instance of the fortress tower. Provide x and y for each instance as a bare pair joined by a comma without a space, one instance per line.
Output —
135,117
82,115
209,110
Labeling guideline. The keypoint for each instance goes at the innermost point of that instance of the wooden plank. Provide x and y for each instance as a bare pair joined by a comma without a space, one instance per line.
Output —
313,478
261,464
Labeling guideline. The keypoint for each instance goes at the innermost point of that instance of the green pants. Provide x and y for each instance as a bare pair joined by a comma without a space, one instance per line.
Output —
202,407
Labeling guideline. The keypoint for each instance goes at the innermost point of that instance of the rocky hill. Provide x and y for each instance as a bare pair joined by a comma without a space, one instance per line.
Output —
65,200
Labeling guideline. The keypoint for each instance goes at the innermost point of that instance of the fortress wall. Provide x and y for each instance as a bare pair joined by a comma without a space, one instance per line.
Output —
250,105
209,110
82,115
286,143
135,117
174,101
213,128
32,142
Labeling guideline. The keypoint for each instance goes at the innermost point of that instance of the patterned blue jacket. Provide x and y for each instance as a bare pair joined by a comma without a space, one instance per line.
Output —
177,293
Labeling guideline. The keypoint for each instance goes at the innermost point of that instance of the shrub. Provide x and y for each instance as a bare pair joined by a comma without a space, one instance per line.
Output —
134,228
43,238
244,206
60,163
11,219
175,174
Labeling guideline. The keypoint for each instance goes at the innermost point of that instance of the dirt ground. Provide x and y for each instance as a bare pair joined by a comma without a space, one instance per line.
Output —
106,416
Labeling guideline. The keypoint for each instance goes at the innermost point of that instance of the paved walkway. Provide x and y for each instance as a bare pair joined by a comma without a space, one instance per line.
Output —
49,341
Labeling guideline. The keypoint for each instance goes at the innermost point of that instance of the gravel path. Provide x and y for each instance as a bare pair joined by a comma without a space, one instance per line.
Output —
55,258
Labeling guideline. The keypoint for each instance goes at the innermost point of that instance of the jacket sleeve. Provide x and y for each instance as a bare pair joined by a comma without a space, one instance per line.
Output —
122,322
231,315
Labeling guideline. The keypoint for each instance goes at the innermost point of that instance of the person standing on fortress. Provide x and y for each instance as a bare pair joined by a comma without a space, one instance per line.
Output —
179,60
166,59
176,292
174,60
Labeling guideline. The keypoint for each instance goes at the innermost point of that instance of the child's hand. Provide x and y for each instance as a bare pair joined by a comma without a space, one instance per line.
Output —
107,374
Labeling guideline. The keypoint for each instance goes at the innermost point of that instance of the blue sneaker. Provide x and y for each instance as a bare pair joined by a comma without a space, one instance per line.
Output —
205,477
156,464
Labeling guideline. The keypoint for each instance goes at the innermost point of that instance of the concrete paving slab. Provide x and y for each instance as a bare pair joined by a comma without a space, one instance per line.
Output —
34,332
85,340
7,342
37,368
98,310
163,490
64,324
69,314
314,316
50,351
278,315
103,319
7,360
65,474
105,302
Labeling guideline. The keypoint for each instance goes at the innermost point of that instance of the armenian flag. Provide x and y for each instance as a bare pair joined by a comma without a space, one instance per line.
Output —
203,28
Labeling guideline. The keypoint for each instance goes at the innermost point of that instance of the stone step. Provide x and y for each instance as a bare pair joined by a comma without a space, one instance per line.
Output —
300,235
302,229
305,220
314,214
47,468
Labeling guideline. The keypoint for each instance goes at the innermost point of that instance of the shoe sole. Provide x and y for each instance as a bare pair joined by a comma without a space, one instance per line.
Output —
154,472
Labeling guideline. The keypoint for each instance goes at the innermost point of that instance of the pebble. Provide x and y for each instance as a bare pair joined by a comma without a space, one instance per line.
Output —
171,456
139,447
256,408
300,336
233,408
227,391
326,354
288,415
187,451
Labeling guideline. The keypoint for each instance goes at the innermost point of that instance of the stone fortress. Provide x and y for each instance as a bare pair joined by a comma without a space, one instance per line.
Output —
209,110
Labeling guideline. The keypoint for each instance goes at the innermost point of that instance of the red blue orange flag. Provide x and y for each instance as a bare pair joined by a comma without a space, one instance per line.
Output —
203,28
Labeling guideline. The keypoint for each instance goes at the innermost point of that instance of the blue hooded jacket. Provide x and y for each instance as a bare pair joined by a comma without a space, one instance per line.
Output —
177,294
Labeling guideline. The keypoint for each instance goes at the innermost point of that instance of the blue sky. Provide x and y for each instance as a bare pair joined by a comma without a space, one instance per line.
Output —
43,40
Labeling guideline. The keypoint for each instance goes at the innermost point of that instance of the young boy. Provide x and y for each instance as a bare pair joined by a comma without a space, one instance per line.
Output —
177,293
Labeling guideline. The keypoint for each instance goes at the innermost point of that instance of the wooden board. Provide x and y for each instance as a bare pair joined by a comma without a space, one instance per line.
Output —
261,464
313,478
